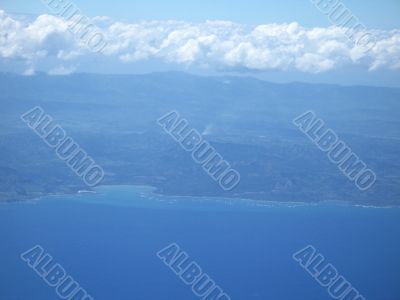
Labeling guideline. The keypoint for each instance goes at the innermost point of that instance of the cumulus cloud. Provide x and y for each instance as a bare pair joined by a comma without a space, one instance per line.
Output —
213,44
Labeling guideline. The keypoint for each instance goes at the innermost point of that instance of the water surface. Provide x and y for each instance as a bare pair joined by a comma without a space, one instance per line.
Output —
107,241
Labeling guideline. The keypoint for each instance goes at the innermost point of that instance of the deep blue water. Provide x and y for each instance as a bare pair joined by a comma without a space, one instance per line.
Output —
108,243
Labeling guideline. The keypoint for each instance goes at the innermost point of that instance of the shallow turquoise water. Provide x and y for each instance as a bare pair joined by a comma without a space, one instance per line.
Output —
108,242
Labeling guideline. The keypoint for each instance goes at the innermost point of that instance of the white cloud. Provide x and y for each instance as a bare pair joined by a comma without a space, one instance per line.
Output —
215,44
62,70
29,71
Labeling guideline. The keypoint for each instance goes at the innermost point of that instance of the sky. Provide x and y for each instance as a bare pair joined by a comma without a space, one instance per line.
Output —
279,41
384,14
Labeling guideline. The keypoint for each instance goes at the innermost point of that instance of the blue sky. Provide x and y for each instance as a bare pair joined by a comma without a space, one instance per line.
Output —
376,14
275,40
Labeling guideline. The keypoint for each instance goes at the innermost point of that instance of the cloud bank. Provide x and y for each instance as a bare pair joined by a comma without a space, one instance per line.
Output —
218,45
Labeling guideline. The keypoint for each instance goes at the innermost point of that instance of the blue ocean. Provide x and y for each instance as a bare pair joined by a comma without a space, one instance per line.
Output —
108,240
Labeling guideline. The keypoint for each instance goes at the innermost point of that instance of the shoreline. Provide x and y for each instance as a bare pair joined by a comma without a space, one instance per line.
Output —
154,191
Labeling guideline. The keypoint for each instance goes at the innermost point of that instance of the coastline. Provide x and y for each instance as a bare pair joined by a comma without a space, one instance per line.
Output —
154,191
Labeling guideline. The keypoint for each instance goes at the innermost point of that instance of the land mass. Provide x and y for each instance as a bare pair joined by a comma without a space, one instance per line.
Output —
248,121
